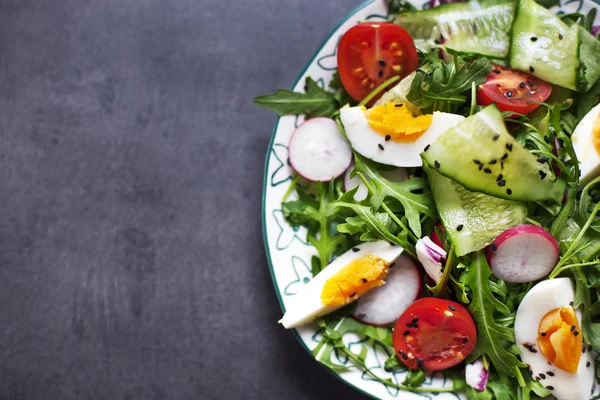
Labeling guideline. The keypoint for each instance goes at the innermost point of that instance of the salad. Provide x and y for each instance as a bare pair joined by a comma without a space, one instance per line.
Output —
449,184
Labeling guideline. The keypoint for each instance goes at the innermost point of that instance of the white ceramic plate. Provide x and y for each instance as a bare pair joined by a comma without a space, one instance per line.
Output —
288,252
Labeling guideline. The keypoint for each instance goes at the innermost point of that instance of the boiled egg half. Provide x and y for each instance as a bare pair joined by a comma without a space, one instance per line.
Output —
349,276
586,142
548,333
390,134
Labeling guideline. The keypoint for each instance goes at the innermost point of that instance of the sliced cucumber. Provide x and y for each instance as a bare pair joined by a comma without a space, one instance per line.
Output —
478,26
471,220
544,45
589,54
481,155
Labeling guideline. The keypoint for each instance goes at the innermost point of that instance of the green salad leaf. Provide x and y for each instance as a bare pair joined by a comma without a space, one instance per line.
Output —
446,87
493,339
312,213
315,102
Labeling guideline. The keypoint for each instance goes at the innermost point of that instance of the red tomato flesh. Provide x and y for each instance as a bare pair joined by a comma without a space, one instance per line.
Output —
513,90
372,52
434,334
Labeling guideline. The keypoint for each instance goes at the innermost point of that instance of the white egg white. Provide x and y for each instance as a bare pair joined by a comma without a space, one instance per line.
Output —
582,138
542,298
306,306
367,141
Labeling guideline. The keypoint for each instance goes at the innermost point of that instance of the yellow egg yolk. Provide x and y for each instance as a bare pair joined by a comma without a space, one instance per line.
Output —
560,339
396,120
354,279
596,135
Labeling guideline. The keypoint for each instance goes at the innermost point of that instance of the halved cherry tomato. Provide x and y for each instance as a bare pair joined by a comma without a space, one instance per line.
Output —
372,52
513,90
434,334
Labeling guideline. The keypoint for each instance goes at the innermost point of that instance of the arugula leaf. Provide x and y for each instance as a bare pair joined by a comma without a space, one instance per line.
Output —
414,194
399,7
414,378
586,205
312,213
548,3
447,86
492,337
341,95
316,102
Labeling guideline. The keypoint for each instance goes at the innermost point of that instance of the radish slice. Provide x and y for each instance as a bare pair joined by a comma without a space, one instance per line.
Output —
524,253
430,255
476,375
318,151
383,305
394,175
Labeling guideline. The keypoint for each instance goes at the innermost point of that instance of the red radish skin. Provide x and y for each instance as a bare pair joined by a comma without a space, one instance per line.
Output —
525,253
383,305
318,151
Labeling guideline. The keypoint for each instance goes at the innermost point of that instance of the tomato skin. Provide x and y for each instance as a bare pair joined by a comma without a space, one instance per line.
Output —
434,334
372,52
513,90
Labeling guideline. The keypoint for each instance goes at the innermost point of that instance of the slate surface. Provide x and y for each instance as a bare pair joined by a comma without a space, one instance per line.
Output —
131,156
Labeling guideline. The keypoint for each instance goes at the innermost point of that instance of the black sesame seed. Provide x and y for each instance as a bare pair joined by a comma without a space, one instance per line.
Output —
550,387
508,191
465,340
531,69
352,294
571,304
380,74
509,146
501,164
509,94
382,63
496,137
576,333
388,137
543,334
477,162
364,280
405,333
415,320
533,39
543,376
587,364
494,161
560,36
505,156
572,328
399,105
355,249
480,167
497,71
426,147
550,373
487,170
522,85
451,308
392,265
542,174
436,163
499,178
502,183
420,364
380,146
437,41
531,83
532,350
460,227
494,246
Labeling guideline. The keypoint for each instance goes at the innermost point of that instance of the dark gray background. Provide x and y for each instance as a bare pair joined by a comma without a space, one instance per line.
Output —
131,156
